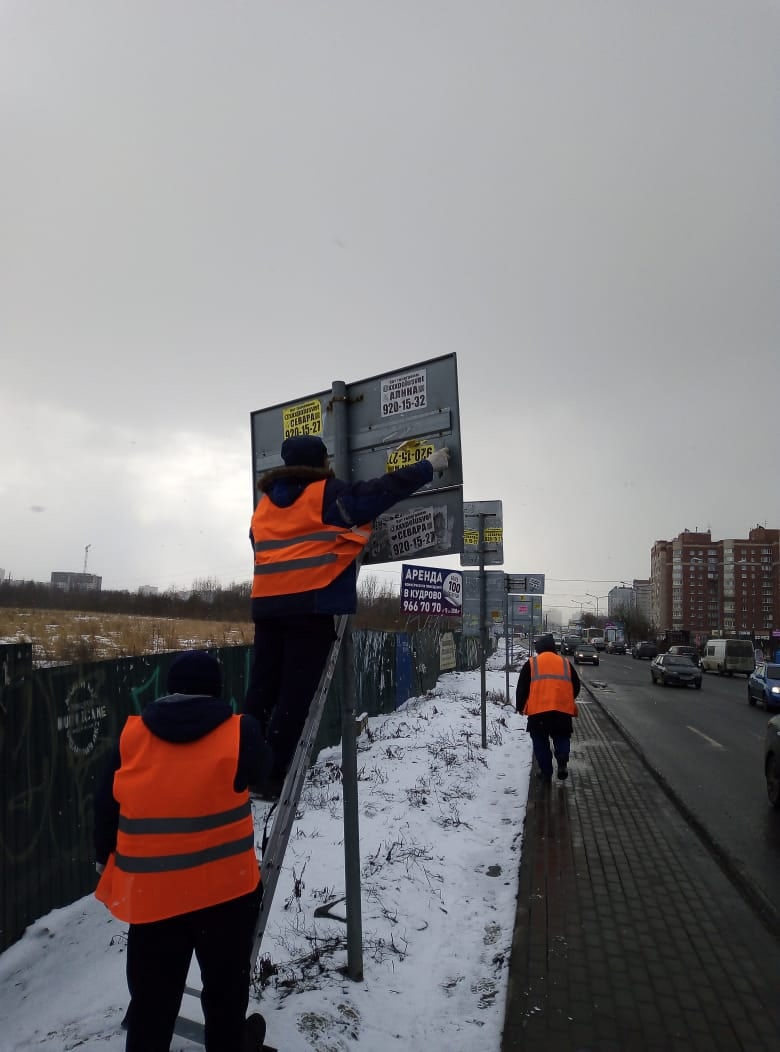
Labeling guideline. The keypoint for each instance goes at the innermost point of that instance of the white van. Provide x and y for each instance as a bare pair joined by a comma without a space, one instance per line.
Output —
726,656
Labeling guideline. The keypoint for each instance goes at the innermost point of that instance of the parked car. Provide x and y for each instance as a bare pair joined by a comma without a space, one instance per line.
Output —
690,652
644,649
586,654
675,670
772,761
616,646
764,685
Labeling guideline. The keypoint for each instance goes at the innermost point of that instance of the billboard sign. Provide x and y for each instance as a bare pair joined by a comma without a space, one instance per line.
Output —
431,590
393,419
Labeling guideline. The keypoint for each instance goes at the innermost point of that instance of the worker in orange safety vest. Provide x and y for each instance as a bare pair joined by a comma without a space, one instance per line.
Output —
307,532
175,849
546,690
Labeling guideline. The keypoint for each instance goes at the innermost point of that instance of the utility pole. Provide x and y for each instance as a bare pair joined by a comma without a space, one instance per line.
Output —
86,555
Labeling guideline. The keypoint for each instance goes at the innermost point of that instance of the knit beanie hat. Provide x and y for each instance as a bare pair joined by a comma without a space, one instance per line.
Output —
544,643
195,672
304,451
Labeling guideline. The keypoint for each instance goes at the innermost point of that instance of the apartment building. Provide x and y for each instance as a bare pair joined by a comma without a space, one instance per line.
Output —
621,597
727,587
76,582
642,594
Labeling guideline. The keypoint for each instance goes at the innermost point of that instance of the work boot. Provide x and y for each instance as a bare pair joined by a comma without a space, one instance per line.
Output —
544,776
563,768
253,1037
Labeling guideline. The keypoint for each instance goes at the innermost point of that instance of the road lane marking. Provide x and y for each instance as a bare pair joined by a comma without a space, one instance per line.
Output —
706,738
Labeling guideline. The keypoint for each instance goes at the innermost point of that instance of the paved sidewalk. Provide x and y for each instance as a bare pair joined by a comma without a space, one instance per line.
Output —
628,936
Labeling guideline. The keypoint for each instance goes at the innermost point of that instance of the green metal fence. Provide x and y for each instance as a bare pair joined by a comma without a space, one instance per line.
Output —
58,724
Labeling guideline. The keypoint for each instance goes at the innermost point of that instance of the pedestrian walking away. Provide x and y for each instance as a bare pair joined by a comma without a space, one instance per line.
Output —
546,690
307,532
175,850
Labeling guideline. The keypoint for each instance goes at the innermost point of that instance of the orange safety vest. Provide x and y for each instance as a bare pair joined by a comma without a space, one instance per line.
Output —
551,686
295,551
186,838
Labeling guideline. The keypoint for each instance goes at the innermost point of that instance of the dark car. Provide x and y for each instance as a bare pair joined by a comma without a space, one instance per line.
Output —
570,644
764,685
586,654
616,646
772,761
690,652
675,670
643,649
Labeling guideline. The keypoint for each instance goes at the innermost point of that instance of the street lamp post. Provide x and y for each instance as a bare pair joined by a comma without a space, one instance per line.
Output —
597,598
580,605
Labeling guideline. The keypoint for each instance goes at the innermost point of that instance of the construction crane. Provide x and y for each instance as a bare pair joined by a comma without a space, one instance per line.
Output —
86,555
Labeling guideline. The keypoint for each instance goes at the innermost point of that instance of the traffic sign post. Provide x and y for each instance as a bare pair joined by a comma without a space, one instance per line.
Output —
483,543
391,420
495,596
371,427
526,584
483,533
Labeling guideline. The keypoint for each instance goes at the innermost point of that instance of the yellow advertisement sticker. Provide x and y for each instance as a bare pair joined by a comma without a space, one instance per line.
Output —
302,419
411,452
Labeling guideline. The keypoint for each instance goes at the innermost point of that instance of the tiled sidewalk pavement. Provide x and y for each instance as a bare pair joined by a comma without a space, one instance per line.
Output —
628,936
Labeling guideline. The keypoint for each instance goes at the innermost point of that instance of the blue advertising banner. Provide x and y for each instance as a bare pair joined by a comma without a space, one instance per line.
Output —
431,590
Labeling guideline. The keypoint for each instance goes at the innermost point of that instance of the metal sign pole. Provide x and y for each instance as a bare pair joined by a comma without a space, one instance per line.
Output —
506,638
483,632
348,731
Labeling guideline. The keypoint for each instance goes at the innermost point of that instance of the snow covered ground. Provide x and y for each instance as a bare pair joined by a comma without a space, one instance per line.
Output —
441,824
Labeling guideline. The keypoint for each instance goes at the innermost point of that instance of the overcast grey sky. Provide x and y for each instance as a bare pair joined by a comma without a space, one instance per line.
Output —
209,208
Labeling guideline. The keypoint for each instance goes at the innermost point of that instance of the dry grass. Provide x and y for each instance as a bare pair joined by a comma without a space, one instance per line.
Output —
63,637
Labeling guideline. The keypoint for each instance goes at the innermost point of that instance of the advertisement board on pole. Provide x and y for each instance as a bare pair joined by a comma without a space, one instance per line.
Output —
393,419
483,533
495,598
524,608
431,590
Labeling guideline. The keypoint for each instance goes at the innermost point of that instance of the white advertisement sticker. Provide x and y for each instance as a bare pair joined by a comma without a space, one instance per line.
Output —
402,394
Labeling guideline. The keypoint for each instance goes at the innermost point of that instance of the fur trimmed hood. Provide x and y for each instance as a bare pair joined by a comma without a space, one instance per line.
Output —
291,476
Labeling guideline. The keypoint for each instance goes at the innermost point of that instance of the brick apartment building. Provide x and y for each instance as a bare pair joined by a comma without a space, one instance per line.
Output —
717,588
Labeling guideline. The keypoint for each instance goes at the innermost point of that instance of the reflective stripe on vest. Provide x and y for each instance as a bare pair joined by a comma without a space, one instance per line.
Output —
551,686
185,838
295,551
536,675
163,863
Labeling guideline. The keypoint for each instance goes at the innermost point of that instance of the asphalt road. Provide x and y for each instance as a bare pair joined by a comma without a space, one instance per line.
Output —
707,745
